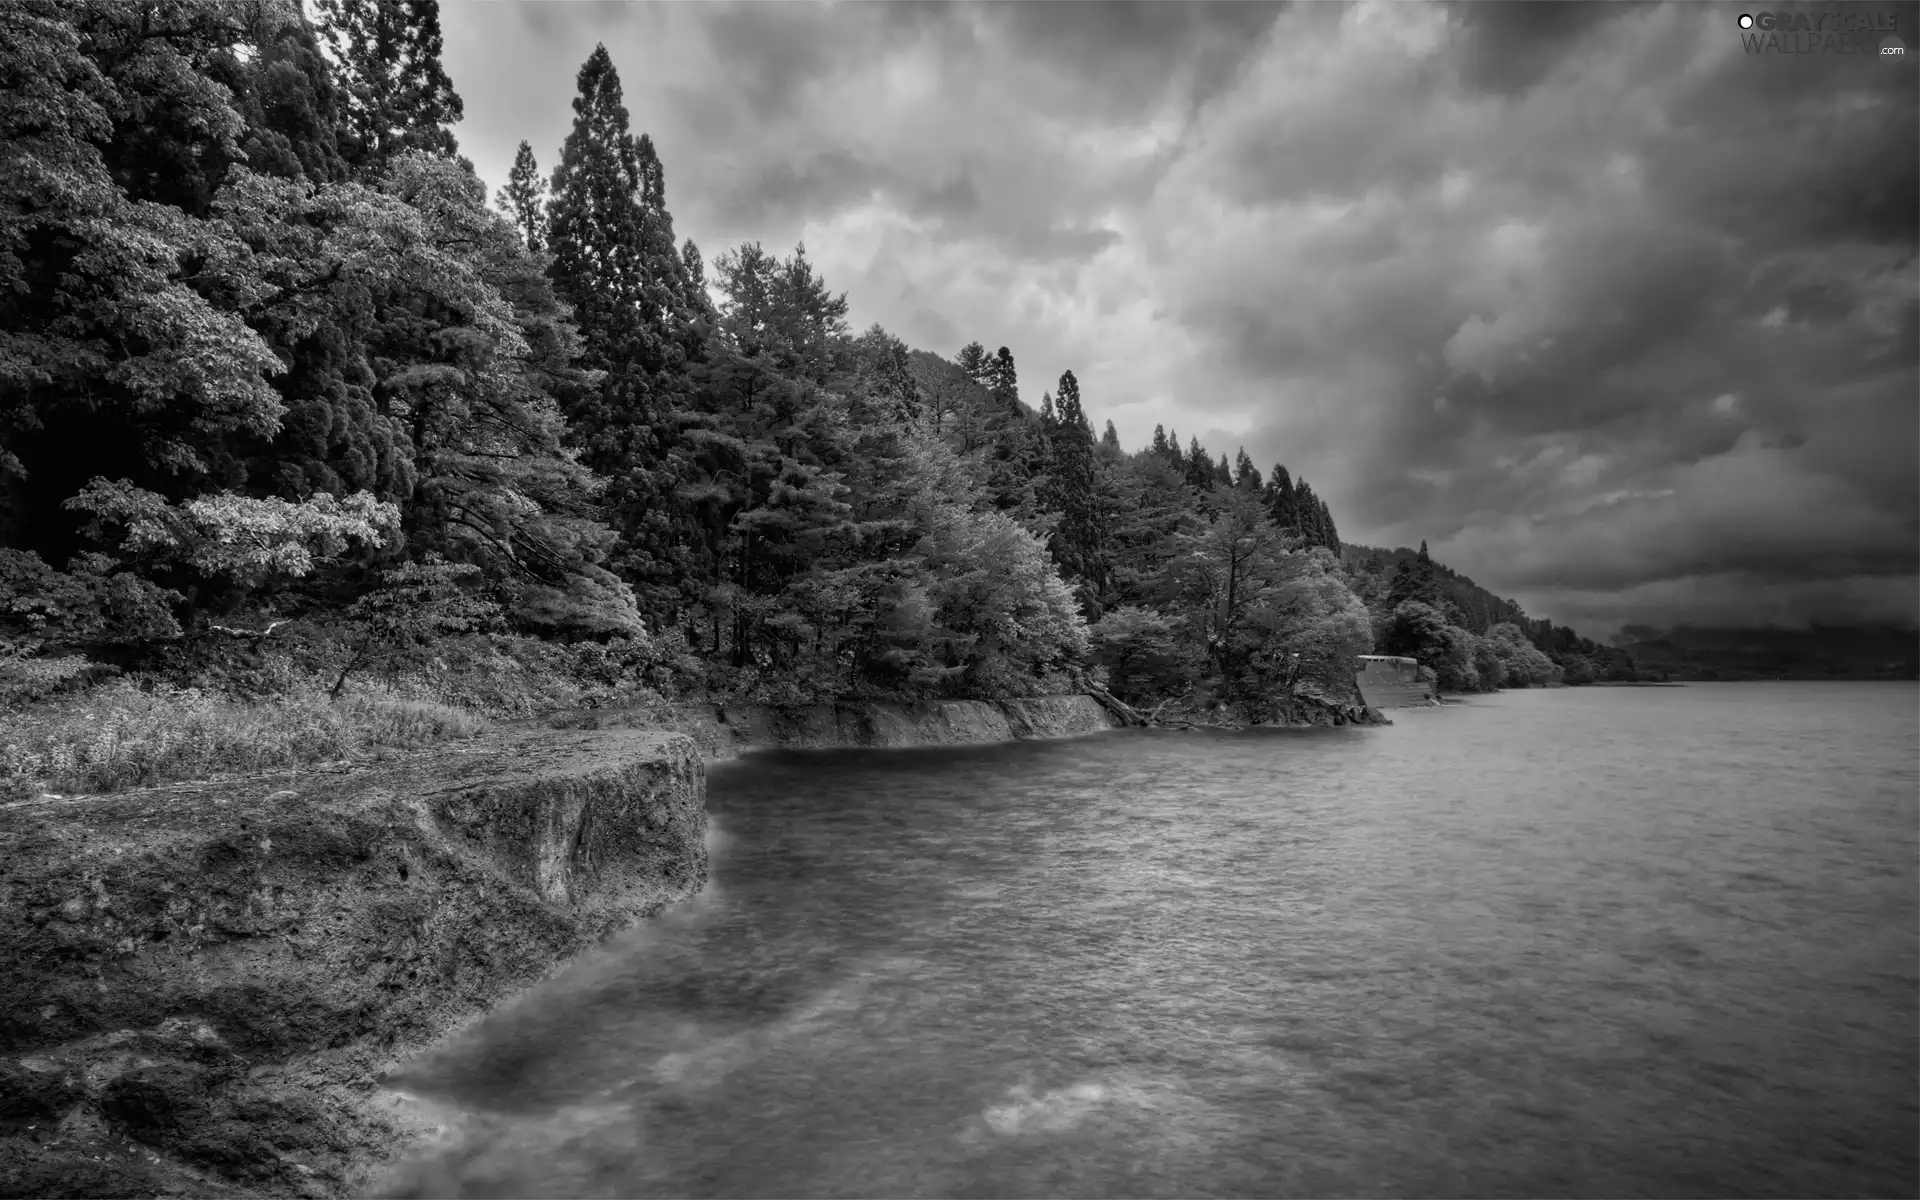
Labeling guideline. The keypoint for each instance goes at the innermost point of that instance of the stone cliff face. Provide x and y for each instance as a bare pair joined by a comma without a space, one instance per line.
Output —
723,733
205,980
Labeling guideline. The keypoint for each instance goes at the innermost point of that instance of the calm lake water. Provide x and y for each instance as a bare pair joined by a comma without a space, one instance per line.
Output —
1593,942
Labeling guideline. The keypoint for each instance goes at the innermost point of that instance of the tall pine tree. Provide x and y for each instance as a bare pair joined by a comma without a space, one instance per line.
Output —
1280,499
614,261
1246,476
524,199
1199,467
398,96
973,359
1003,380
1072,491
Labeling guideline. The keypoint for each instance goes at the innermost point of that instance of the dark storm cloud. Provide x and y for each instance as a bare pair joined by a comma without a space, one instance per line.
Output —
1621,319
1509,48
1130,54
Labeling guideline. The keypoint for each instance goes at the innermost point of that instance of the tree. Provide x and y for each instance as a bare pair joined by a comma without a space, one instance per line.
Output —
115,359
884,375
1005,616
974,361
615,263
1413,580
524,199
469,348
1330,533
1199,468
415,604
1280,498
398,96
1225,570
1003,380
1017,445
1145,654
1309,628
293,110
220,543
1419,631
1147,508
1071,489
1245,474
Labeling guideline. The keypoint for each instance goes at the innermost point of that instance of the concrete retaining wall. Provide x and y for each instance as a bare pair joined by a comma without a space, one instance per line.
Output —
1390,682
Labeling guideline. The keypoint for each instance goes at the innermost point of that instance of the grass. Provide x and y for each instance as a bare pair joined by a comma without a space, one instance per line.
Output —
120,735
62,731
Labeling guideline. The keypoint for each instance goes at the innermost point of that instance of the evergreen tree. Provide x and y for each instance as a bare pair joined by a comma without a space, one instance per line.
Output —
1245,474
1280,498
288,98
1223,472
1018,444
1003,380
1072,489
1160,445
973,359
524,199
1306,508
699,302
615,263
1199,467
465,346
1330,536
763,453
398,95
1110,440
886,384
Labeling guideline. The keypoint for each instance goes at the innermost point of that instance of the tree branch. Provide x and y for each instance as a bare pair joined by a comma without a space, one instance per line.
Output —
230,631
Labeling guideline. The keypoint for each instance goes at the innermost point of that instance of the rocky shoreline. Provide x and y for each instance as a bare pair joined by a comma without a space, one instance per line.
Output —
210,980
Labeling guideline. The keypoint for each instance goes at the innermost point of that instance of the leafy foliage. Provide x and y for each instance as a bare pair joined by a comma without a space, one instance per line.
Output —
235,538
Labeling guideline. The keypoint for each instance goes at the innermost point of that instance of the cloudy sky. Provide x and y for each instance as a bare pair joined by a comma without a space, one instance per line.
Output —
1622,319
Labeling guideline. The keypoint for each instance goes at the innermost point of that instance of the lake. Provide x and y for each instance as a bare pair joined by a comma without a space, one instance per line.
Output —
1576,942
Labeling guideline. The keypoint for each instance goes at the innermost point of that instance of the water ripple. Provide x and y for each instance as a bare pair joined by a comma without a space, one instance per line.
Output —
1634,943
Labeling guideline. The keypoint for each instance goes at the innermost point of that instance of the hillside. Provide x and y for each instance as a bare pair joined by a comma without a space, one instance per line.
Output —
1821,652
1384,578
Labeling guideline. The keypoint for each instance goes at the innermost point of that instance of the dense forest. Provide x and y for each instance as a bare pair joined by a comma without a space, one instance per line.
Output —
275,366
1387,579
1819,652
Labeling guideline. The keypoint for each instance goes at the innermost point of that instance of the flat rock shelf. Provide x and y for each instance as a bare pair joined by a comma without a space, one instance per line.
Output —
207,981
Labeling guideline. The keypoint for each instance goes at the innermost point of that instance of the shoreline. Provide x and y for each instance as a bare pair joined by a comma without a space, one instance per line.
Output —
213,978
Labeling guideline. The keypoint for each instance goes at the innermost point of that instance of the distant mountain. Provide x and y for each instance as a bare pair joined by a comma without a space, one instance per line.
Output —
1821,652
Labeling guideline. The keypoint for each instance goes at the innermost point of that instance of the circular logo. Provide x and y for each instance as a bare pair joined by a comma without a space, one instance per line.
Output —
1892,48
1746,20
